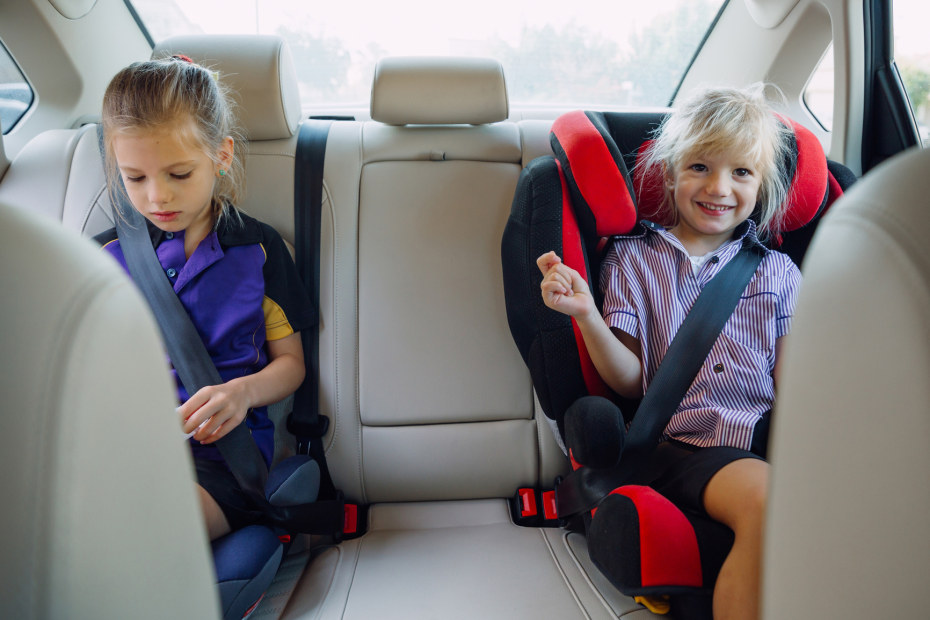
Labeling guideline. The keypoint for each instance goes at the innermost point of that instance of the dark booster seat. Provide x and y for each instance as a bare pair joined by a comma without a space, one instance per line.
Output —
573,203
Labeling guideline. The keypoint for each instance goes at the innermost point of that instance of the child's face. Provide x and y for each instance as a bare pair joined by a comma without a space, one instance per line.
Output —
168,178
713,195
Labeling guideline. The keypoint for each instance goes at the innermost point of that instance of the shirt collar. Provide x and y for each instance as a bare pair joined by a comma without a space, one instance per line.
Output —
745,232
234,229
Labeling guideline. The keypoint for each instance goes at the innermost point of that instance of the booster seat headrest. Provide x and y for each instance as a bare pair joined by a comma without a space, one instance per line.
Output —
608,200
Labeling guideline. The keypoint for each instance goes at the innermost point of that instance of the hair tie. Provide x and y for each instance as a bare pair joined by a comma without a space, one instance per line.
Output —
183,57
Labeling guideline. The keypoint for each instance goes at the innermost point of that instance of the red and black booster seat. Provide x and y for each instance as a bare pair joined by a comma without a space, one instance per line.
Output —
571,203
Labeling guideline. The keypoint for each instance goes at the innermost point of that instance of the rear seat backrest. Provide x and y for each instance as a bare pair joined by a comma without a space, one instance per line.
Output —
435,404
59,174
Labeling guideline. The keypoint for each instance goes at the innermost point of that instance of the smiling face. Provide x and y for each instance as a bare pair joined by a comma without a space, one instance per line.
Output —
713,194
169,178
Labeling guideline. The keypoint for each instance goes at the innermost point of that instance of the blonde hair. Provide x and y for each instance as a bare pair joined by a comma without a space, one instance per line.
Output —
162,93
726,120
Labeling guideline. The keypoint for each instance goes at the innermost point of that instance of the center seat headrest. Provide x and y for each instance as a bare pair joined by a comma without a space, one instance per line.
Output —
439,90
259,71
608,200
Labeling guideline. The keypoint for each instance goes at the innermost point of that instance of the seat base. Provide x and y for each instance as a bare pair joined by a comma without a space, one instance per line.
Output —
456,560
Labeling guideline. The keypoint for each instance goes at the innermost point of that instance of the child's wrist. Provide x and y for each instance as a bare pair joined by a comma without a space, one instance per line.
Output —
589,316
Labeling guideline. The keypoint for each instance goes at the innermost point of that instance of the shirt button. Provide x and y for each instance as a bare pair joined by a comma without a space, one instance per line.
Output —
718,368
169,235
171,272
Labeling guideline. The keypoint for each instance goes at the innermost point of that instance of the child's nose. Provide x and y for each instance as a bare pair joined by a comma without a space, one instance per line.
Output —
718,184
158,193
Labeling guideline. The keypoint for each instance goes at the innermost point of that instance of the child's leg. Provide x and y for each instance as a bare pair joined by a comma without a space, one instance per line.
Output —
225,506
736,496
217,524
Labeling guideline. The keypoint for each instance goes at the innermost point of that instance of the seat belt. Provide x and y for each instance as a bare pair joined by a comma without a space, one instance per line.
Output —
305,421
581,490
185,347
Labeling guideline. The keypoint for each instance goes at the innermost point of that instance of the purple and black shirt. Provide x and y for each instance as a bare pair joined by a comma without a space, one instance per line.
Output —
240,288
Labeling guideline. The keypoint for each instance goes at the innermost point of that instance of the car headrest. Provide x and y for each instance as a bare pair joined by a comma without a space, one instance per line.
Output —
438,91
609,200
259,71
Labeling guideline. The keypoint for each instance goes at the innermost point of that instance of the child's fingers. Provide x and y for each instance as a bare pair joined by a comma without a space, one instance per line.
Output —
547,260
563,279
552,289
205,433
189,413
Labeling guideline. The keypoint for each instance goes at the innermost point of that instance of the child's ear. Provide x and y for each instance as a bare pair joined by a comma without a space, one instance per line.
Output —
226,152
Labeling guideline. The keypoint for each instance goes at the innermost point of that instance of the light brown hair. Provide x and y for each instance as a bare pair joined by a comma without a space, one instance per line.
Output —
166,93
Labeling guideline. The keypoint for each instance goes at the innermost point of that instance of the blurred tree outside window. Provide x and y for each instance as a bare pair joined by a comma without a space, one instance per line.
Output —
583,54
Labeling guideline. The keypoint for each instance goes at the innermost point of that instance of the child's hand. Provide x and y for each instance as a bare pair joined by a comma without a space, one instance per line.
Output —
214,411
563,288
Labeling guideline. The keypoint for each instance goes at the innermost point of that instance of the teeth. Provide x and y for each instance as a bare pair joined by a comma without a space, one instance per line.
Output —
710,207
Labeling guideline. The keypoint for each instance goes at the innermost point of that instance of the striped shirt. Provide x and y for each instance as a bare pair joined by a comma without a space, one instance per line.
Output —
648,286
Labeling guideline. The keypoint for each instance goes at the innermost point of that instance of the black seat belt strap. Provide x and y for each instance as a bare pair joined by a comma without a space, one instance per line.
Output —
585,487
185,347
305,422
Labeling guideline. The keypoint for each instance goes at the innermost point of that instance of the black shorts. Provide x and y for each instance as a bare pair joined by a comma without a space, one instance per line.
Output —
681,472
219,482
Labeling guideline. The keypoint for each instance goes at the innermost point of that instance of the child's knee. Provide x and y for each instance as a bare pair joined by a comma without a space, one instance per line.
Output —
737,495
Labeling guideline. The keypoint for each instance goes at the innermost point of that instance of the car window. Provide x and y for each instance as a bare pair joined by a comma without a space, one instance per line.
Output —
586,53
818,95
15,93
912,56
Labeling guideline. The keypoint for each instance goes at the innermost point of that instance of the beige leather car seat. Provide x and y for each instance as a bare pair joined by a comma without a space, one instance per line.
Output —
850,502
100,518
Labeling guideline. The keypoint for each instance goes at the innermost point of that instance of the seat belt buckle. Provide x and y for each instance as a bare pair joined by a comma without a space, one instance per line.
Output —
306,433
531,507
355,520
350,522
550,513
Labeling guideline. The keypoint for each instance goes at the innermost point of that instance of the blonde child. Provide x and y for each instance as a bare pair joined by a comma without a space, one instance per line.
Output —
718,155
169,134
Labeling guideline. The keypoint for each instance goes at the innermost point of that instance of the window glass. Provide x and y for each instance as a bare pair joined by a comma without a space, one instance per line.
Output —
912,56
818,96
579,53
15,92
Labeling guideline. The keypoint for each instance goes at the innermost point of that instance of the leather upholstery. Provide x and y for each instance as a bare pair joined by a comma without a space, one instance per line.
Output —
436,91
849,499
259,71
96,473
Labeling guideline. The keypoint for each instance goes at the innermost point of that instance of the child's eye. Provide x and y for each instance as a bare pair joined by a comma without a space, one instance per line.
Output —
698,167
135,179
181,176
742,172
